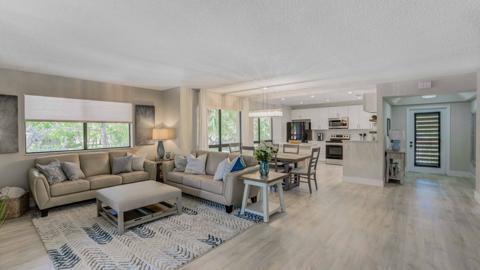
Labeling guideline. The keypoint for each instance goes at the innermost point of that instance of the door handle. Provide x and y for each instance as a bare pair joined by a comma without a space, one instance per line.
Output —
411,144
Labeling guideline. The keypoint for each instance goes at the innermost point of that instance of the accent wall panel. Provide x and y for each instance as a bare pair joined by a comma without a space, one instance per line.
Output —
144,124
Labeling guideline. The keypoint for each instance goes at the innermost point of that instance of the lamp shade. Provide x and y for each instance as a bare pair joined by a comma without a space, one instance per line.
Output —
163,134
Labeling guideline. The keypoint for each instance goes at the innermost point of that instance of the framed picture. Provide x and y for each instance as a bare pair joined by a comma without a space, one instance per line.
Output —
144,124
8,124
389,126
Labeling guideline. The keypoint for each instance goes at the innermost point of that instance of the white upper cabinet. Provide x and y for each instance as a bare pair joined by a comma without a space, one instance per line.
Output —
358,118
337,112
319,118
354,114
370,102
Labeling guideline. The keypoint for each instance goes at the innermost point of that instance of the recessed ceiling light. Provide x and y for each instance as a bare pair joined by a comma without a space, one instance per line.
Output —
312,96
283,98
301,102
359,97
350,92
327,99
265,88
429,96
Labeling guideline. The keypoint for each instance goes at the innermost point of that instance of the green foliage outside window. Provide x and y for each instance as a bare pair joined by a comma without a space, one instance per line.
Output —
42,136
265,129
223,128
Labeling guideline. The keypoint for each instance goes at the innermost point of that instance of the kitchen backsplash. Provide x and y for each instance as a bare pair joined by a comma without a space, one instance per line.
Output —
354,134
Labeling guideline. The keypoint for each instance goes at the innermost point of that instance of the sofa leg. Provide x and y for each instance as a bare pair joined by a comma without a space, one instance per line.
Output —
229,208
254,199
44,213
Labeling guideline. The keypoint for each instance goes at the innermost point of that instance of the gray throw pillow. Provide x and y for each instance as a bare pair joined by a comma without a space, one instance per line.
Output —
52,171
137,163
180,163
122,164
196,165
72,170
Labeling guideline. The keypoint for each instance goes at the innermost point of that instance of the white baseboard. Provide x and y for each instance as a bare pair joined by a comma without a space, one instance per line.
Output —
363,181
477,196
461,174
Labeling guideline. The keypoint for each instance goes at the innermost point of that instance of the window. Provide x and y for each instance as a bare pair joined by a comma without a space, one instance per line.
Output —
55,124
44,136
262,129
223,129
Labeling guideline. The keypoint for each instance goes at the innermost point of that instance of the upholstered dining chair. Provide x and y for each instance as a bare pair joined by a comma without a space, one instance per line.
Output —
291,148
308,173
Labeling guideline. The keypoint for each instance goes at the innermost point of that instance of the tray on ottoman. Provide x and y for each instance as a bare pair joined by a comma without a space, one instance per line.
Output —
130,205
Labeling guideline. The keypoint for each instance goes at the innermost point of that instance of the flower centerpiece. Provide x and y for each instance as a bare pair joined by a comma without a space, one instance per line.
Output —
264,154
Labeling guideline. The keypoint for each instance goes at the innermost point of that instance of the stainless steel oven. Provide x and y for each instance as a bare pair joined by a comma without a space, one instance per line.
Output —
334,153
338,123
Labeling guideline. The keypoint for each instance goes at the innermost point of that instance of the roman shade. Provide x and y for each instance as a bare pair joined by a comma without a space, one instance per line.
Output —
81,110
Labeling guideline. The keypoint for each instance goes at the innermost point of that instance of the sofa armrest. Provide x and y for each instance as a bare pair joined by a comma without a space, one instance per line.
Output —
39,188
233,186
151,168
167,166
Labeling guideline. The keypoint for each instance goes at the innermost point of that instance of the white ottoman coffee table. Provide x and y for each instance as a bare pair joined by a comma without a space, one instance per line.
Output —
133,204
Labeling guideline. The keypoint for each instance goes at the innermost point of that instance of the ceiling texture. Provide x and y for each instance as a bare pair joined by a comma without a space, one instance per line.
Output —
292,48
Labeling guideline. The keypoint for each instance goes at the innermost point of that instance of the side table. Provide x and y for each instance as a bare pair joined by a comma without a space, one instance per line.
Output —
262,207
395,169
159,169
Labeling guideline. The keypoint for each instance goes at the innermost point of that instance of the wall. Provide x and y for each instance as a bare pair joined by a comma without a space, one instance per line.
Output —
477,151
279,126
13,167
460,130
440,85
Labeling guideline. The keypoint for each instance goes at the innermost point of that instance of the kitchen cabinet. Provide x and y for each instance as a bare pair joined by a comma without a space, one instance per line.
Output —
354,115
337,112
370,102
319,118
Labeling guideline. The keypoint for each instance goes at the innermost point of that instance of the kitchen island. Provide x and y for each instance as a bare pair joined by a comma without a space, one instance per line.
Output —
361,164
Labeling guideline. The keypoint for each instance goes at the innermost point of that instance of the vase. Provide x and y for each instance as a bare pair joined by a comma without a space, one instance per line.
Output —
264,168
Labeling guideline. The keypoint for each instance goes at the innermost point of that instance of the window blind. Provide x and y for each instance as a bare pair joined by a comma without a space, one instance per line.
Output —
69,109
427,139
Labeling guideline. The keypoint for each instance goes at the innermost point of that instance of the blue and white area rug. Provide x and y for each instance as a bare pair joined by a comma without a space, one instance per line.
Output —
75,238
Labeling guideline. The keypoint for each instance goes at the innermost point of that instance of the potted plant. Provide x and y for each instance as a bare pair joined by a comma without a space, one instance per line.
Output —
264,154
3,208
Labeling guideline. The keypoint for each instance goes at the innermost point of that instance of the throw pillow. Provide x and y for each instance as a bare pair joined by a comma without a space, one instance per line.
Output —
221,170
52,171
137,163
196,165
122,164
238,164
72,170
180,163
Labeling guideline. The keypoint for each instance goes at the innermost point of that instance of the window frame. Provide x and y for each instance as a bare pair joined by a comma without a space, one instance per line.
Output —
85,137
219,147
255,141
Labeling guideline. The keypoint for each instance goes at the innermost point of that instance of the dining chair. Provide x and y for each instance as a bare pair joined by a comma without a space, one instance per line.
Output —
291,148
247,148
310,172
234,148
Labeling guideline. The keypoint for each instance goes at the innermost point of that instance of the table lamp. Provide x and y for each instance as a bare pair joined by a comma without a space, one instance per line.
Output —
161,134
396,136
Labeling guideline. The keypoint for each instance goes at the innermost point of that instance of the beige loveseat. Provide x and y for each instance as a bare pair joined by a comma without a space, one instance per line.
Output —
97,169
228,192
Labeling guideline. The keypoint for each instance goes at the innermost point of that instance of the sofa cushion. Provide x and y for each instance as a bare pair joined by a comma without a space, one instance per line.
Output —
115,154
138,163
196,165
135,176
103,181
62,158
122,164
72,170
69,187
95,164
210,185
180,163
194,181
214,158
176,177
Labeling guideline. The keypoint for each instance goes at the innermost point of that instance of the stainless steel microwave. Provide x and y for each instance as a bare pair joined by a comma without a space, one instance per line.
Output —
338,123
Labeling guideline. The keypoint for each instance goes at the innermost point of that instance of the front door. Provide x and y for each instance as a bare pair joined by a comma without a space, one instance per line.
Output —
428,131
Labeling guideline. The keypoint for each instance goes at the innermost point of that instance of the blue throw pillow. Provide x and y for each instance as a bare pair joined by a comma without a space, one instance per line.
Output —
238,164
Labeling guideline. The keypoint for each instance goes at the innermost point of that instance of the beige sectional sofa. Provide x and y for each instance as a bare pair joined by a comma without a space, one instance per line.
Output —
228,192
97,169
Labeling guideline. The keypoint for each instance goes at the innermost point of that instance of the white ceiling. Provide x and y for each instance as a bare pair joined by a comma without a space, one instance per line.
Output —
434,99
242,46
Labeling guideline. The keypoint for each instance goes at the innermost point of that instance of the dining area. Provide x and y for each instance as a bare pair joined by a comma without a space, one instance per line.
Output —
299,165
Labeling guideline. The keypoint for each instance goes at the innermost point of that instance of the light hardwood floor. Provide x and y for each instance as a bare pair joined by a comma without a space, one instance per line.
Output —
430,222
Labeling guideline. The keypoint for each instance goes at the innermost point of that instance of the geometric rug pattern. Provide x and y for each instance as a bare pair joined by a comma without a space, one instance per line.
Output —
75,238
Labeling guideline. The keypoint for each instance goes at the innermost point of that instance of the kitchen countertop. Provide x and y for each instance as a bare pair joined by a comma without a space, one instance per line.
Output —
361,164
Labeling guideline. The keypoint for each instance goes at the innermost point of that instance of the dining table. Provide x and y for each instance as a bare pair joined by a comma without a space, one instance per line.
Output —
291,158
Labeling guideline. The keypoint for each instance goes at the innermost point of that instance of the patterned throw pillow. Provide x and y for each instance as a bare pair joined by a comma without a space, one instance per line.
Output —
52,171
137,163
72,170
238,164
180,163
122,164
196,165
